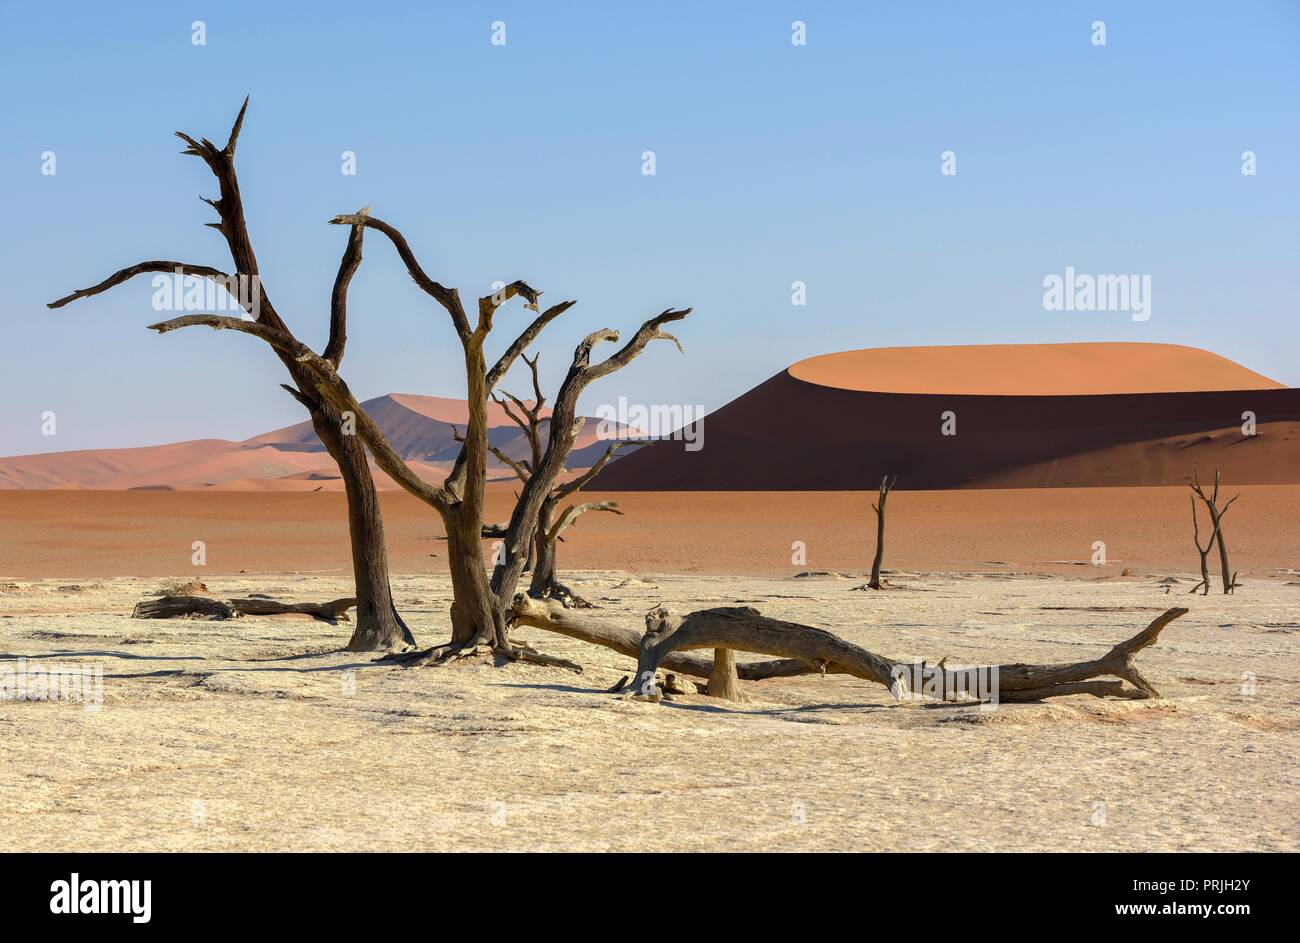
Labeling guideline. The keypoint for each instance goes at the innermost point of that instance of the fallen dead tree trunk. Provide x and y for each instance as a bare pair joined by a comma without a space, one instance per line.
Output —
804,649
582,624
176,607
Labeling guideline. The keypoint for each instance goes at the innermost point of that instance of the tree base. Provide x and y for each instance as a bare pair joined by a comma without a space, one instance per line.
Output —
458,653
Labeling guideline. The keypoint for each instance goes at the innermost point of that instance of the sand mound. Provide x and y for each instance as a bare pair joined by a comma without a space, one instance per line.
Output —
421,428
1032,416
1030,370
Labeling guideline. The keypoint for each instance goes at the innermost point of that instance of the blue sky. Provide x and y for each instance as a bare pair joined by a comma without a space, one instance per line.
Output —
774,163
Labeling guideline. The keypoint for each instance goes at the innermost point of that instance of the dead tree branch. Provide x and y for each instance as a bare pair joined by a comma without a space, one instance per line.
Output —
537,500
379,626
1217,513
174,607
744,629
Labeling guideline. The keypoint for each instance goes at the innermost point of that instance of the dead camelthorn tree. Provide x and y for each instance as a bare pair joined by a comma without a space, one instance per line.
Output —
379,626
542,550
563,429
1211,502
886,483
1204,552
478,617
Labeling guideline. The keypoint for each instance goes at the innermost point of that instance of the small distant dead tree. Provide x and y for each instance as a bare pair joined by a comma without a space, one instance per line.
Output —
1204,552
379,626
1217,513
886,483
550,526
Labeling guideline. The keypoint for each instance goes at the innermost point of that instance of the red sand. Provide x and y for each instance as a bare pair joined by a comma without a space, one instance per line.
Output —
1030,370
88,534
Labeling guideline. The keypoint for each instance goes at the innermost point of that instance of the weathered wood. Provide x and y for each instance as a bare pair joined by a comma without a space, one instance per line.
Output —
334,611
879,507
176,607
1203,551
1216,519
723,681
745,629
379,626
529,524
803,649
477,619
554,616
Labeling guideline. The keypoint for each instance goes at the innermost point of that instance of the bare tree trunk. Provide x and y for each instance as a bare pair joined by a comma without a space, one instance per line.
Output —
723,681
173,607
879,508
803,649
1229,578
1217,513
585,626
379,626
1203,551
745,629
544,552
474,616
544,585
564,426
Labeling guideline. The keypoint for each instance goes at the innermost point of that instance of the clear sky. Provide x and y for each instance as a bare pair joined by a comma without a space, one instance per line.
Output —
774,163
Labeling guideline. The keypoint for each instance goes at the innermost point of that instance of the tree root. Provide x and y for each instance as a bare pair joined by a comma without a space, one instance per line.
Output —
455,652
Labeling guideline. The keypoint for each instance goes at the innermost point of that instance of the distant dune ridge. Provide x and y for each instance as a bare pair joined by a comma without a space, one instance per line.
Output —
1024,415
420,428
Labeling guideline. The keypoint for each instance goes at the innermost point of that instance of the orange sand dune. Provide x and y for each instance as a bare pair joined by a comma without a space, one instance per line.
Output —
1034,416
455,411
266,462
421,428
101,468
1030,370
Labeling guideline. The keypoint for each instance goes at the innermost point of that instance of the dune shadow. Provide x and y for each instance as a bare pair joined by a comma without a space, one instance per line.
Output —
566,688
777,712
299,657
99,653
239,667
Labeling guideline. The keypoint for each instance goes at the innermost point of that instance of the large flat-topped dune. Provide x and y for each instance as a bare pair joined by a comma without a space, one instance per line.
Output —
1030,370
987,416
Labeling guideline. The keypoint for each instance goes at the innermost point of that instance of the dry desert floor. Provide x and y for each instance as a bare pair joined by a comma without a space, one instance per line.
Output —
259,734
